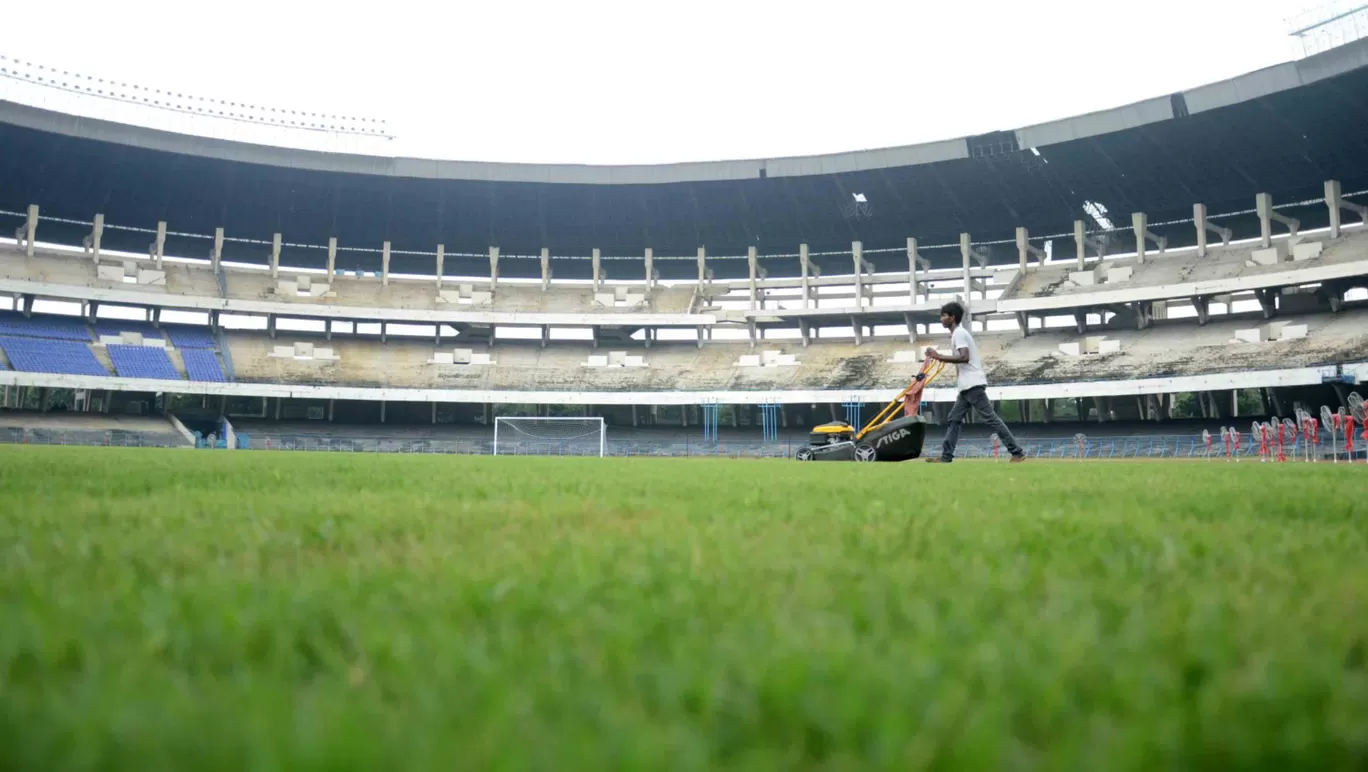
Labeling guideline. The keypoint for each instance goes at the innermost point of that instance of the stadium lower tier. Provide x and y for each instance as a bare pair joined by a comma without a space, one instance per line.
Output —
1174,348
1166,349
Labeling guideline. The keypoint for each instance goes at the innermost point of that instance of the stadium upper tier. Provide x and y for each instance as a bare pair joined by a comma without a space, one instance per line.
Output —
1282,131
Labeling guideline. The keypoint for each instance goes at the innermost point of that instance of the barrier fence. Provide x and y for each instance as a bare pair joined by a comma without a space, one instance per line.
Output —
1135,447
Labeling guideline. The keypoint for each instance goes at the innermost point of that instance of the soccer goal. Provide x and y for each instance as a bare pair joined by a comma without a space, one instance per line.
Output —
549,436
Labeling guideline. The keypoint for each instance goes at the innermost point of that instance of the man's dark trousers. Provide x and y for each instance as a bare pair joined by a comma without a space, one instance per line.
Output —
977,398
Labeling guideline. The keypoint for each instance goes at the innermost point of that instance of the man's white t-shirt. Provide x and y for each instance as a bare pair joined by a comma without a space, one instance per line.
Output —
970,373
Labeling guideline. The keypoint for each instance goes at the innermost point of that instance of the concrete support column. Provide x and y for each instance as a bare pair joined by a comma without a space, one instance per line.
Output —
1202,304
650,270
383,405
327,329
384,264
805,264
434,413
494,268
1234,403
92,241
1263,204
1199,219
271,326
384,332
216,256
546,268
965,251
332,258
28,232
915,263
332,404
1025,250
158,246
441,259
753,264
597,258
702,266
1140,226
857,256
1081,244
280,401
275,255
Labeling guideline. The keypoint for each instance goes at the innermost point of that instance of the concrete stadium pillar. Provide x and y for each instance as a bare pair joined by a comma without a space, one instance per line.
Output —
158,246
332,258
1334,199
441,258
1263,204
650,269
753,264
965,251
384,264
805,266
27,232
280,402
597,263
383,405
215,256
271,326
546,268
636,421
91,242
1203,225
1081,244
857,257
384,332
1143,235
493,268
702,265
914,263
327,329
434,413
1025,251
275,255
332,405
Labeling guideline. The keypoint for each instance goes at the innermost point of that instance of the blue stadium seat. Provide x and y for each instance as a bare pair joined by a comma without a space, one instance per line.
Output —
54,327
203,365
189,336
113,327
143,362
35,355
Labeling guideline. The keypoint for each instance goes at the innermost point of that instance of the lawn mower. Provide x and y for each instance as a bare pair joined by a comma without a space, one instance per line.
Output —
885,438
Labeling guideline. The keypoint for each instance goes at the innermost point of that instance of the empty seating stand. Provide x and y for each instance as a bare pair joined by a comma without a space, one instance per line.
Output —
66,357
143,362
187,337
113,327
203,365
51,327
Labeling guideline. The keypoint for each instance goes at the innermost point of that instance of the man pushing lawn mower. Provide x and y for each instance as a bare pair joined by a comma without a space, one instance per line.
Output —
973,387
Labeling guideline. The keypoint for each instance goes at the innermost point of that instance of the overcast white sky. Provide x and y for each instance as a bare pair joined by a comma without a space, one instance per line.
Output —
651,81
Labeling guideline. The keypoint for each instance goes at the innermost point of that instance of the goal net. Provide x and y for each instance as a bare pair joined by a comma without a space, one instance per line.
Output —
515,436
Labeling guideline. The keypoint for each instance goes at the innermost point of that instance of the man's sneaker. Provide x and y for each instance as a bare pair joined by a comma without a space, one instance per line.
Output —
1017,459
937,460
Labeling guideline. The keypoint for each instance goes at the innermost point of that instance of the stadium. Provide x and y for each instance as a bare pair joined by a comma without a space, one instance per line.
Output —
1181,278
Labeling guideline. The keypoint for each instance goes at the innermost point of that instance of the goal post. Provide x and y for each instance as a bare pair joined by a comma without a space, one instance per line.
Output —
550,436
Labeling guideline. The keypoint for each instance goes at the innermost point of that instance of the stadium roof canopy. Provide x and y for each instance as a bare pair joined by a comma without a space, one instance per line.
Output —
1283,130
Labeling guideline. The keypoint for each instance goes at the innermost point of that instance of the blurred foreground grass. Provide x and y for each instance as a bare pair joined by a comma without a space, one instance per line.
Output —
201,610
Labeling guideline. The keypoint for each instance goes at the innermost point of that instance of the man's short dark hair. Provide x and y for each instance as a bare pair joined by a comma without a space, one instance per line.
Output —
954,309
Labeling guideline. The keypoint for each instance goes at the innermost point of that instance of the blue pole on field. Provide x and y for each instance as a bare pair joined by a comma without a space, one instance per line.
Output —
853,408
710,409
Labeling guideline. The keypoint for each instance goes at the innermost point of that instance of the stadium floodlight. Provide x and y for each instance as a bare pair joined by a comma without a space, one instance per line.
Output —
550,436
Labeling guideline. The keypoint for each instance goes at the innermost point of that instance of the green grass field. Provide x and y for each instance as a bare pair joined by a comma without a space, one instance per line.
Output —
182,610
